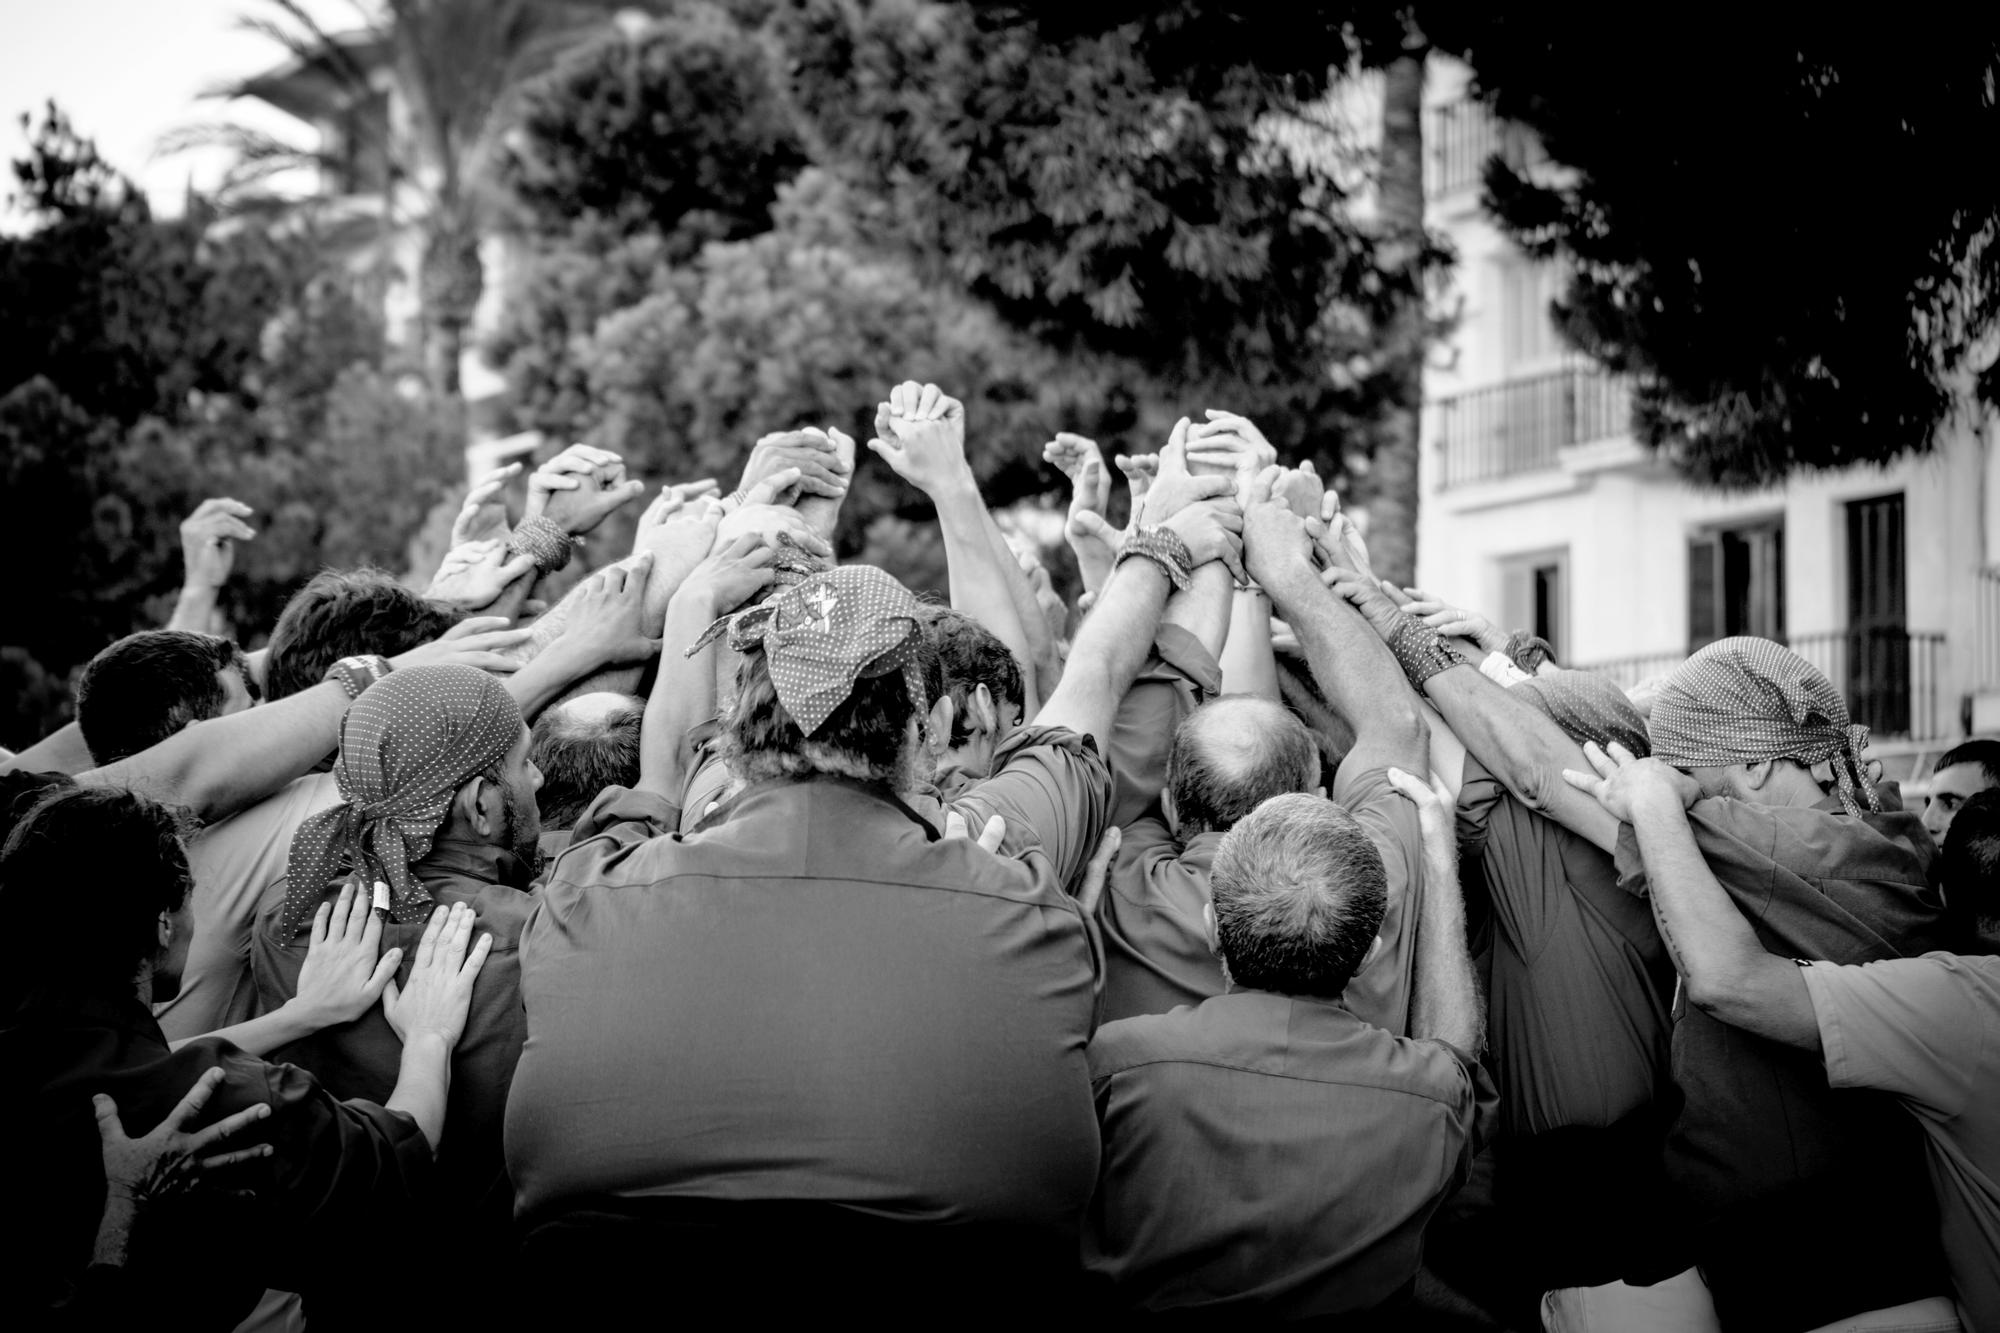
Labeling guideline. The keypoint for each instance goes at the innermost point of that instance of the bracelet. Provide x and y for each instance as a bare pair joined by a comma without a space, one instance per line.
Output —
1163,548
1528,651
355,674
546,540
1420,651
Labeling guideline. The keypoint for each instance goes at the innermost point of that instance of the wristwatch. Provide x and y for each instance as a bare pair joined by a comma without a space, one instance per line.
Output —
355,674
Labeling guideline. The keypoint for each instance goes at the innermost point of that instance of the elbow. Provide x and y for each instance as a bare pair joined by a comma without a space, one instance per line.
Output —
1533,773
1405,723
1716,992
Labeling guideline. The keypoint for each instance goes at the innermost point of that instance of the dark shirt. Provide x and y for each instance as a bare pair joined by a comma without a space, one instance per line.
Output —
815,997
1272,1154
363,1058
1577,1004
1156,951
340,1170
1805,1205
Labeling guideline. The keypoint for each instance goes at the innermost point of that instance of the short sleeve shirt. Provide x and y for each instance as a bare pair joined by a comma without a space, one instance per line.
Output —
1577,1005
813,998
1272,1154
1928,1030
1179,676
1156,949
237,863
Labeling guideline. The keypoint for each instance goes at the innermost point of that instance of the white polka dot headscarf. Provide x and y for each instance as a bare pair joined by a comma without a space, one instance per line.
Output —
1742,701
824,633
406,746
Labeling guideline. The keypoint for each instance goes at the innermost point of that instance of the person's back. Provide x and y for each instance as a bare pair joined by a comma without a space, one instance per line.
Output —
1267,1153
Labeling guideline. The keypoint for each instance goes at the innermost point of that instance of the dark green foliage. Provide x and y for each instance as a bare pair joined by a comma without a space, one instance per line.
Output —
1783,231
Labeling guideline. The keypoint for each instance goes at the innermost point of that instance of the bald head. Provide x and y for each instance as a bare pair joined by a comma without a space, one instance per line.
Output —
582,746
1230,756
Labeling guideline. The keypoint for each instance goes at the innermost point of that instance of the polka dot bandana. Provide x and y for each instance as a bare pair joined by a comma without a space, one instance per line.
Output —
1742,701
406,746
1588,707
822,634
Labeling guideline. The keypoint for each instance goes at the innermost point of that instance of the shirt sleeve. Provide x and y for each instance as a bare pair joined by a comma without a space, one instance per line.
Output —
1177,678
618,818
1380,992
1912,1026
1051,785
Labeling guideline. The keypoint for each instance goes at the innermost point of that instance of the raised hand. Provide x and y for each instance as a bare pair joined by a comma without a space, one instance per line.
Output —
1139,470
1623,783
208,542
1277,543
169,1160
1174,489
1302,489
1082,462
1212,530
607,624
1366,596
474,575
476,641
1229,445
483,516
920,434
775,525
812,451
342,978
1090,535
434,1003
1450,620
580,487
731,575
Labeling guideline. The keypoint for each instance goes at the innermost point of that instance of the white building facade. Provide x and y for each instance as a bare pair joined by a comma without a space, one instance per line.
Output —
1541,510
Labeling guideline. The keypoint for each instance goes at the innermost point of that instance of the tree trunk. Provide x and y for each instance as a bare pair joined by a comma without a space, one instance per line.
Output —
1392,490
450,280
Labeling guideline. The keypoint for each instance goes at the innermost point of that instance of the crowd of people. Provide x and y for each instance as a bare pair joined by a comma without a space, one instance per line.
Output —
1255,940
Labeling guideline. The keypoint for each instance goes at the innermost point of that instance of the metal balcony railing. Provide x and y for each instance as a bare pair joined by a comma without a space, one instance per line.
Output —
1515,427
1889,677
1460,136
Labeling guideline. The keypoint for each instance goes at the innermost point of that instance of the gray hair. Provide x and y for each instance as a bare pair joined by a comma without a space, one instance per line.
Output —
1299,892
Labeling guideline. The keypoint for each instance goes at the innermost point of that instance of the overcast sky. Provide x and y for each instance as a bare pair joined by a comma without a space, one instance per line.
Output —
127,71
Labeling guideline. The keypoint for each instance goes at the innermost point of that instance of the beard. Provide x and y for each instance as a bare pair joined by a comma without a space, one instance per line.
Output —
521,833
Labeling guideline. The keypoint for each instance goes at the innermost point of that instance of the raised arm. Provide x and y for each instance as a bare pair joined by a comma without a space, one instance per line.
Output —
1519,745
218,767
1729,974
208,555
1353,668
1444,995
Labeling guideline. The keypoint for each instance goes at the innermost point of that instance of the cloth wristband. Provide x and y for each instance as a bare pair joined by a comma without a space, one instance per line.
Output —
546,540
1500,669
1420,651
1163,548
1528,651
356,674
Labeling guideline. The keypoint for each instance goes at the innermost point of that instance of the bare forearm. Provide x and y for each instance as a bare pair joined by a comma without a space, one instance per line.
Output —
267,1032
1044,662
1109,650
61,752
977,574
1249,666
194,610
1355,671
1523,748
1444,995
217,767
683,698
422,1083
549,677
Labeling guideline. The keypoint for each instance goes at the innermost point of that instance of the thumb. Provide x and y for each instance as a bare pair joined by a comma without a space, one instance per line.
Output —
519,567
384,974
391,996
1089,523
106,1110
954,824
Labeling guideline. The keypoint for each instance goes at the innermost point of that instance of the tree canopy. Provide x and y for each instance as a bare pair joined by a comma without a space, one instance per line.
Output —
1785,235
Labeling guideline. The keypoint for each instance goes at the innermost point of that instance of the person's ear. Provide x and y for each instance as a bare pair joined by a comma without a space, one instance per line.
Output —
1172,815
984,715
1208,925
1375,947
469,806
166,930
941,715
1756,775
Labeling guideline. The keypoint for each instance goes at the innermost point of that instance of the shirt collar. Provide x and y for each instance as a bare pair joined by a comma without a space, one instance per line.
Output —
463,858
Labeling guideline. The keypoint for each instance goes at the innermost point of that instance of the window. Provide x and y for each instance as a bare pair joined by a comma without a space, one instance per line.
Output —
1528,337
1533,596
1736,582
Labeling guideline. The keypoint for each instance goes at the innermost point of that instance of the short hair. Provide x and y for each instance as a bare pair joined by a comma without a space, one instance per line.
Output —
1299,891
137,869
1985,753
580,756
1969,869
972,655
147,686
861,738
346,613
1231,755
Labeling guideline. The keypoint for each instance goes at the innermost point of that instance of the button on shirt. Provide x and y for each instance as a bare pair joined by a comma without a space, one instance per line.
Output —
816,998
1577,1004
1928,1030
1273,1154
1773,1165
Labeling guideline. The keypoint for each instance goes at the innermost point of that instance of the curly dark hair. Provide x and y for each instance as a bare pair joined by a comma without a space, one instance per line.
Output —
862,738
129,847
972,655
149,685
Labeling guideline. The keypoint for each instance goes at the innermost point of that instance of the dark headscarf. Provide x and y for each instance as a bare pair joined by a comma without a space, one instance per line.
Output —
1588,707
406,746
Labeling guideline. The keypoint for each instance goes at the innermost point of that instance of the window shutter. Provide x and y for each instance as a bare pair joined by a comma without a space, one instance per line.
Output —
1704,591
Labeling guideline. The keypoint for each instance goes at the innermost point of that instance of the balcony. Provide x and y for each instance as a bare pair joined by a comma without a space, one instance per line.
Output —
1888,677
1518,426
1459,138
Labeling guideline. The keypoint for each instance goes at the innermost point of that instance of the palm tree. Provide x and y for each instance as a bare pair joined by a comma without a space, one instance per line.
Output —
1393,492
424,91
